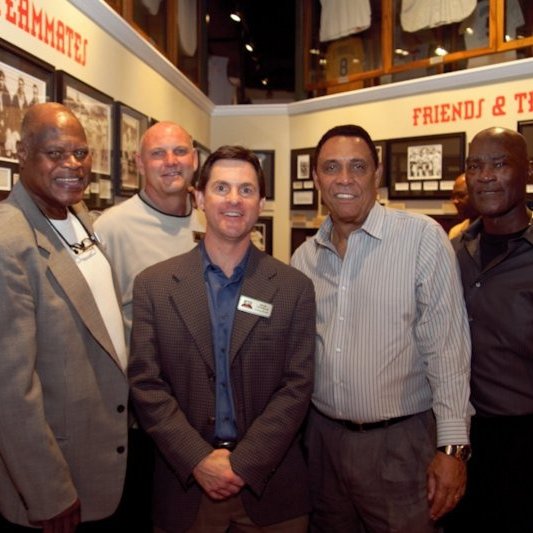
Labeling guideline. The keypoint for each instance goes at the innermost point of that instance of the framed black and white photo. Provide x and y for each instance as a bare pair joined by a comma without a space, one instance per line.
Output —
425,167
266,158
300,235
24,80
203,153
129,128
94,110
303,166
262,234
6,181
303,192
525,127
381,149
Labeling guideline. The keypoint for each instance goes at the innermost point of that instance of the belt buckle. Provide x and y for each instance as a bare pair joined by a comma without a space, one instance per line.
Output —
220,444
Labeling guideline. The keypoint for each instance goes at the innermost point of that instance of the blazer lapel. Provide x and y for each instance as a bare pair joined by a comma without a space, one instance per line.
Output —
257,284
188,292
66,273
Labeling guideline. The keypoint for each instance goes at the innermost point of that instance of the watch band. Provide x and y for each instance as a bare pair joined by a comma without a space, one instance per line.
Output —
459,451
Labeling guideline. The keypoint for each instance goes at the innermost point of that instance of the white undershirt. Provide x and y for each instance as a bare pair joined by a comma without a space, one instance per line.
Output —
97,272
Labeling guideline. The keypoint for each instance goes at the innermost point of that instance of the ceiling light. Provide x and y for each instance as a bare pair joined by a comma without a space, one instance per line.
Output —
235,16
249,47
264,81
401,52
469,31
440,51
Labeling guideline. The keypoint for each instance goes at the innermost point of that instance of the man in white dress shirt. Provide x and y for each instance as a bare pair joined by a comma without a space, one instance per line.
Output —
387,435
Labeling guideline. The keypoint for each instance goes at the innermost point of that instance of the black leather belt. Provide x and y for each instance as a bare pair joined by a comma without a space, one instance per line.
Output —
366,426
224,444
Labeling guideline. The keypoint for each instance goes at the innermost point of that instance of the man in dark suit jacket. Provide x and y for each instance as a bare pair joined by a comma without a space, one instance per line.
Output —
63,387
221,367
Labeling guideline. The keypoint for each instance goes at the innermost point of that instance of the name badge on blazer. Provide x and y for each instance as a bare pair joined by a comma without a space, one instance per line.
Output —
254,307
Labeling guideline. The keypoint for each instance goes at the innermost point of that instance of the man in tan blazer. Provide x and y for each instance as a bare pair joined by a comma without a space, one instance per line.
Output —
221,368
63,388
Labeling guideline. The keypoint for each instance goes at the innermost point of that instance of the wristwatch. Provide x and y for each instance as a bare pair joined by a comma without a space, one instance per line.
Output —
459,451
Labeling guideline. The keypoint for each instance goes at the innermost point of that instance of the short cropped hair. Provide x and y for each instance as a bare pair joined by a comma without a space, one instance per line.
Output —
347,130
239,153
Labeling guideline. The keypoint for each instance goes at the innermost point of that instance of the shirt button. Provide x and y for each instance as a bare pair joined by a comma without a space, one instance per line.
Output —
211,420
120,409
121,449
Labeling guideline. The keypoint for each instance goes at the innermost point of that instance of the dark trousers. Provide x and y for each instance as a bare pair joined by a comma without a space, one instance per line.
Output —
374,481
499,493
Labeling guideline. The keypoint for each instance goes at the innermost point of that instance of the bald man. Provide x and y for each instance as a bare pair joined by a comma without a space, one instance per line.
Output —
496,259
63,387
156,224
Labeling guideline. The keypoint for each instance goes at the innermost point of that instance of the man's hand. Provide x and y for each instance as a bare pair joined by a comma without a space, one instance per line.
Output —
446,484
216,477
65,522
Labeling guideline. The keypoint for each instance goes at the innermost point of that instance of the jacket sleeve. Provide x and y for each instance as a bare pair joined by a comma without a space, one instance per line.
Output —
155,404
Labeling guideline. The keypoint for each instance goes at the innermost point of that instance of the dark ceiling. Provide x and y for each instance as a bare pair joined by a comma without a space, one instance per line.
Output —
269,25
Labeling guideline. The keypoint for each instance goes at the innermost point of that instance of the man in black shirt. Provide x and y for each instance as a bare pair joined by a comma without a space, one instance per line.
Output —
496,259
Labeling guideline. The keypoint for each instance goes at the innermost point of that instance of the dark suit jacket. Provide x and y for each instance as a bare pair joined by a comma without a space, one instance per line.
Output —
62,391
172,375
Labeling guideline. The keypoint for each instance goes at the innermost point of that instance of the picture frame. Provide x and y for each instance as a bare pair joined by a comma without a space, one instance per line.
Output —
262,234
381,148
267,159
299,235
203,154
94,110
24,80
129,126
525,127
425,167
303,192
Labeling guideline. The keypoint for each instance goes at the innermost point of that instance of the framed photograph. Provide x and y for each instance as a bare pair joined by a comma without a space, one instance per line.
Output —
266,158
262,234
525,127
303,166
300,235
203,154
5,179
129,128
381,148
303,192
94,110
425,167
24,80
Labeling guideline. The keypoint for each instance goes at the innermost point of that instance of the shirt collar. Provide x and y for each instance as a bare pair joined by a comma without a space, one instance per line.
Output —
473,231
207,264
373,226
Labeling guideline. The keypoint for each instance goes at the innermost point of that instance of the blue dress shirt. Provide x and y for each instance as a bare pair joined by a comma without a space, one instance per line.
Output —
223,295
